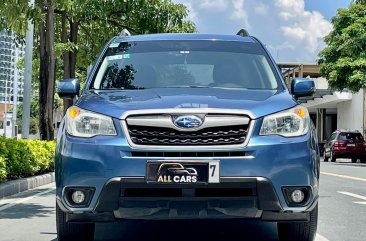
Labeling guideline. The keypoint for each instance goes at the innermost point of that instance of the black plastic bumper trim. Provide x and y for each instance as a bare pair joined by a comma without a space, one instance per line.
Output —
109,199
284,216
90,217
263,204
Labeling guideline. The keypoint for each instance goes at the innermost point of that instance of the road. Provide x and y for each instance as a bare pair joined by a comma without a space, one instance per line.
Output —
342,216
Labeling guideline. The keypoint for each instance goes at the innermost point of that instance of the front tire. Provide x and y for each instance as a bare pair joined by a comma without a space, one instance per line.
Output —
332,157
354,160
72,231
299,231
325,158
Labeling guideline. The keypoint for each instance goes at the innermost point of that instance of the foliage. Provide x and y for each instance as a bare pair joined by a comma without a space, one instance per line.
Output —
34,113
22,158
343,61
98,23
2,169
81,29
41,154
33,125
34,108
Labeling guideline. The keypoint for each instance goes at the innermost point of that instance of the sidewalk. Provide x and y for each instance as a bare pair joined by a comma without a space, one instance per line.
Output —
23,184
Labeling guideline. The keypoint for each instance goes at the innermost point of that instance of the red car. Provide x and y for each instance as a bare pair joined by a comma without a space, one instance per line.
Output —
345,144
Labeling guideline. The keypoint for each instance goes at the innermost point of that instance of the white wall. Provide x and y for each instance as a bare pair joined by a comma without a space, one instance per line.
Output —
350,113
321,83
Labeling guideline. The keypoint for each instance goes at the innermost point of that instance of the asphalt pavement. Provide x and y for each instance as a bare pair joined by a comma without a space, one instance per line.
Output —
30,216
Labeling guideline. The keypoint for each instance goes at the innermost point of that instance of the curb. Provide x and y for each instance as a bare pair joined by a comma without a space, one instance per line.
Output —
23,184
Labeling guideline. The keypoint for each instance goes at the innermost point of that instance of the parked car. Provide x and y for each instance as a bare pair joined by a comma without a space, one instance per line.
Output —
186,126
345,144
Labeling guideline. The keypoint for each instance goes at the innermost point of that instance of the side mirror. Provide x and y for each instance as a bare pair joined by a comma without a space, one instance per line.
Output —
68,88
301,87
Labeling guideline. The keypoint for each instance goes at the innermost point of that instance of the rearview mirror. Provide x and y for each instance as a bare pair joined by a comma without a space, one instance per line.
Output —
68,88
301,87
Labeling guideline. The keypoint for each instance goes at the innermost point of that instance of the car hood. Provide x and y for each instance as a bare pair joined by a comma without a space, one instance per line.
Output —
115,102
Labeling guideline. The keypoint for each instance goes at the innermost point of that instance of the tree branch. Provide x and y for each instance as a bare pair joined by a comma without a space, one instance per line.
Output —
121,26
87,32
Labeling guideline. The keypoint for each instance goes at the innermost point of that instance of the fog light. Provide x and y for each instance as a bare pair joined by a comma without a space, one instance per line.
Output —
297,196
78,197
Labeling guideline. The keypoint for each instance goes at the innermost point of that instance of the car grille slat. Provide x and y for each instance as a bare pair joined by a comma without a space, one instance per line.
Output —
162,136
139,132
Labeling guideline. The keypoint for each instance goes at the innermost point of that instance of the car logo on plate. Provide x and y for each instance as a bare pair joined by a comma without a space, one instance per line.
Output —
188,121
176,173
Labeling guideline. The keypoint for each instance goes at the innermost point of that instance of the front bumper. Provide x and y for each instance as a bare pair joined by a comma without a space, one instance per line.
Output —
132,198
349,153
268,164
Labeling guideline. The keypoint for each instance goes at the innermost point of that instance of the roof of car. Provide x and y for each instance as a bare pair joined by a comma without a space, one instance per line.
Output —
348,131
185,36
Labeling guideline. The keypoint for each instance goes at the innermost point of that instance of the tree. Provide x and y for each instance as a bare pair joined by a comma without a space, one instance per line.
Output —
72,32
87,24
47,69
343,61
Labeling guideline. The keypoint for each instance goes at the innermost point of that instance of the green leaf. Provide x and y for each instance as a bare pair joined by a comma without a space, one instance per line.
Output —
343,60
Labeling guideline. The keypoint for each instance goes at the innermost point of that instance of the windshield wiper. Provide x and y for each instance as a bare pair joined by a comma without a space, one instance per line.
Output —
187,86
132,88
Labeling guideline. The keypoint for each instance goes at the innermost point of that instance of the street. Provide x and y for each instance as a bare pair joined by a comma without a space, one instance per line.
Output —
342,215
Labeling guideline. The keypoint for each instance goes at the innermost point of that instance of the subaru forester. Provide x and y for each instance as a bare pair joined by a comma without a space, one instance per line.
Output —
186,126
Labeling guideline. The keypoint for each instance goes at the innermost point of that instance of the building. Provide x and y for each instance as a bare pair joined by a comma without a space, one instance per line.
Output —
329,110
11,79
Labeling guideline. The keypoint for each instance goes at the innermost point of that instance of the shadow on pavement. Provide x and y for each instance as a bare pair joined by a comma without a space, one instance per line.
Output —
182,230
29,193
27,210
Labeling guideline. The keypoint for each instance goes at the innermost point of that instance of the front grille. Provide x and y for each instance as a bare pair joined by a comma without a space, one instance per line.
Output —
227,135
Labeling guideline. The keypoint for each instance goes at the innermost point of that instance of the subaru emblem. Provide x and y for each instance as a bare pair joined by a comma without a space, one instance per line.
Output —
188,121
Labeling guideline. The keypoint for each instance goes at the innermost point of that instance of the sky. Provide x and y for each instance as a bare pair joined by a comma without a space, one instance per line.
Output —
292,30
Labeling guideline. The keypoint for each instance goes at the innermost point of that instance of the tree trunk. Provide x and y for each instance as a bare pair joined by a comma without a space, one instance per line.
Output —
47,72
69,57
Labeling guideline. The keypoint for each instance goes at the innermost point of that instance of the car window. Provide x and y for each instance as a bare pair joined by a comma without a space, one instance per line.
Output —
203,63
350,136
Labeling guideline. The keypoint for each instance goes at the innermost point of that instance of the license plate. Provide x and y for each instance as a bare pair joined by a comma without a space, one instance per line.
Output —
351,144
183,172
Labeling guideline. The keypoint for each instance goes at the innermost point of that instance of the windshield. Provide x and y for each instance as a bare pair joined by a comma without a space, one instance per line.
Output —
158,64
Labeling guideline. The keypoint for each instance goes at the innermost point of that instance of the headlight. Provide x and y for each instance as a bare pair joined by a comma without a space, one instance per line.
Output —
83,123
289,123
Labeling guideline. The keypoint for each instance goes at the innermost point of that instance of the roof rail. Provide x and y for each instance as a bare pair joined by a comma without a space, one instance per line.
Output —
242,32
125,33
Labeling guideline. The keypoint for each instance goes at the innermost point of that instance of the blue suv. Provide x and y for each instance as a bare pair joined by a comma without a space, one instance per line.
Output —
186,126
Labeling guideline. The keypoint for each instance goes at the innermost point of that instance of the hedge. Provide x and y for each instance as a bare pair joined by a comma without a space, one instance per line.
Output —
24,158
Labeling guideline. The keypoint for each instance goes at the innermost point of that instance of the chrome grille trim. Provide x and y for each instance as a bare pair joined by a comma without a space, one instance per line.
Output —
178,111
166,121
181,111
